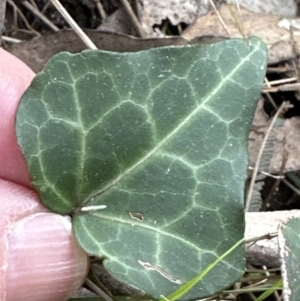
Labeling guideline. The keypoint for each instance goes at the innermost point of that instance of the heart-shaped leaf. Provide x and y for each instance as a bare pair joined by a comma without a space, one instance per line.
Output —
159,139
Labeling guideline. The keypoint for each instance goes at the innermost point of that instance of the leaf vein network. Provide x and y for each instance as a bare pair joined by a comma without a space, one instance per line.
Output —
177,128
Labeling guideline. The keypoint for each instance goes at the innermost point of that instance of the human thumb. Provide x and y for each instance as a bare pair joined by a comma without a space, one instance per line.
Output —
40,259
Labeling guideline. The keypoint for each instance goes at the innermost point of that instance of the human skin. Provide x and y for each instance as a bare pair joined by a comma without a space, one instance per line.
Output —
39,258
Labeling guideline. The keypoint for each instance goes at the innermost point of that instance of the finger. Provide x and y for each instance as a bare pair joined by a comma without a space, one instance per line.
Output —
15,77
39,257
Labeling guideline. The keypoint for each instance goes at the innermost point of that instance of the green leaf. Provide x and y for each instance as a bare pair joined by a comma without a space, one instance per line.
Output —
159,137
289,243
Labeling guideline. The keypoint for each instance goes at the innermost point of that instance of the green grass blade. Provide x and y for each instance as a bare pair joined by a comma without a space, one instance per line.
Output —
185,288
269,291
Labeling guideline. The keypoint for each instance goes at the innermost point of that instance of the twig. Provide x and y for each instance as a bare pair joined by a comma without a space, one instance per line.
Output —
238,23
283,69
270,98
98,290
33,4
280,81
291,186
240,15
219,16
283,106
45,7
40,15
261,237
140,30
274,189
268,174
11,40
74,25
101,10
287,87
179,27
10,2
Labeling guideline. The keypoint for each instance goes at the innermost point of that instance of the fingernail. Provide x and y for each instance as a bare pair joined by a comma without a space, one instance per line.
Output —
44,261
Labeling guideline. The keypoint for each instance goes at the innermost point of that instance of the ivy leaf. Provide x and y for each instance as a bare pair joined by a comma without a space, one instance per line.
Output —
148,151
289,243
